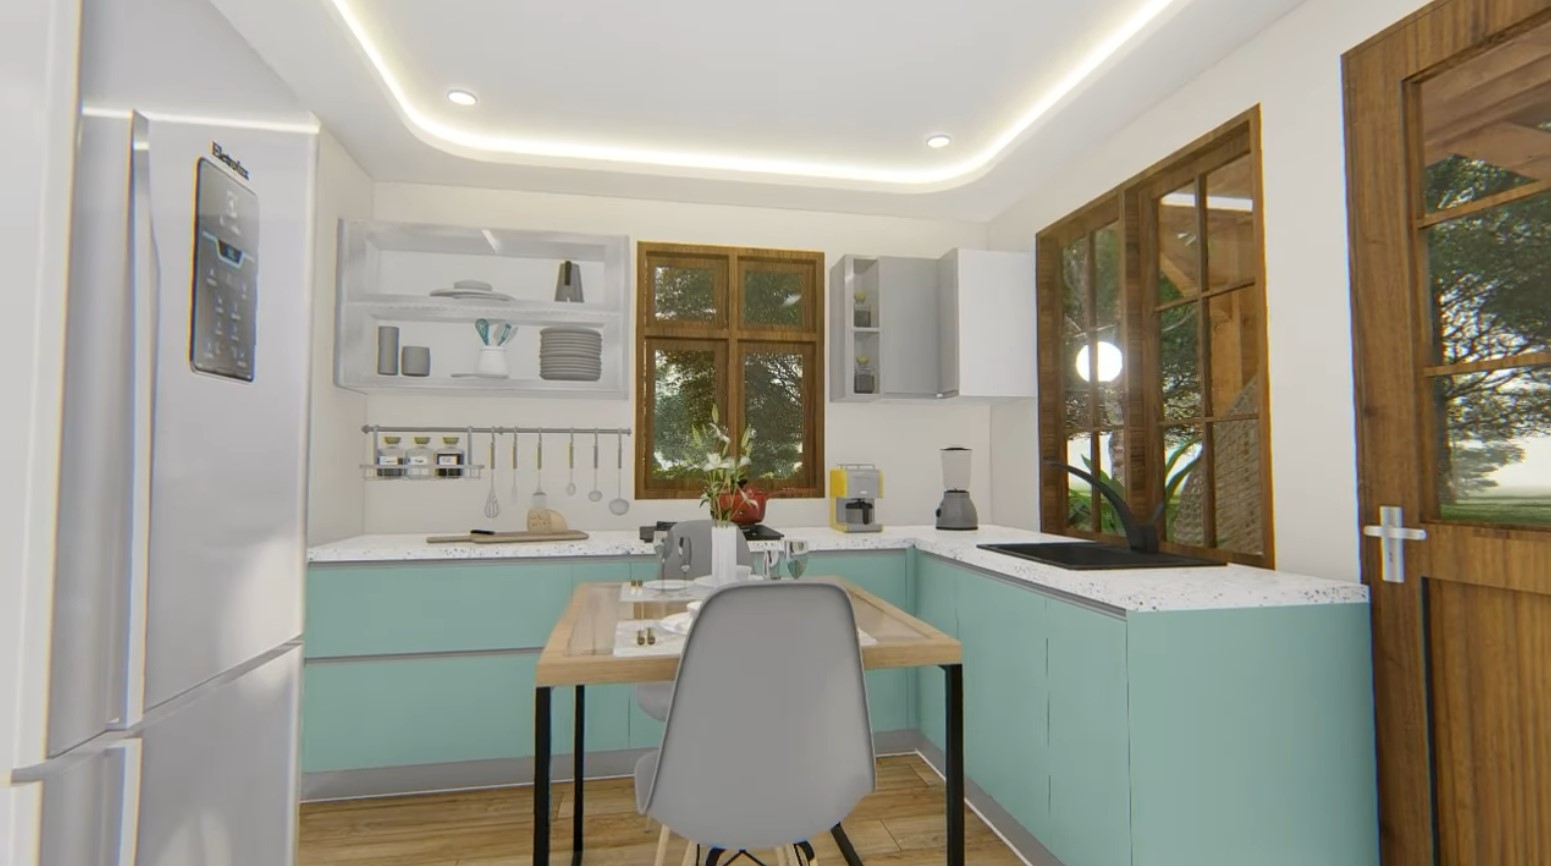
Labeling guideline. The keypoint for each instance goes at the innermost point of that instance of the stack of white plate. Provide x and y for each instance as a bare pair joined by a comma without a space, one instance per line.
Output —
570,354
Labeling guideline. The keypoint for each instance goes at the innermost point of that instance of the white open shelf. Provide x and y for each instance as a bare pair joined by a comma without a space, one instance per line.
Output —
388,270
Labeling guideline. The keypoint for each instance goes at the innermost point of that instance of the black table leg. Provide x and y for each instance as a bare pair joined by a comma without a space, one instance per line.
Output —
541,722
578,777
955,764
847,850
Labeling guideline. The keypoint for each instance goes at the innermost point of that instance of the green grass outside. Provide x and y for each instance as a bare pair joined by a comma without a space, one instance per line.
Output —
1521,511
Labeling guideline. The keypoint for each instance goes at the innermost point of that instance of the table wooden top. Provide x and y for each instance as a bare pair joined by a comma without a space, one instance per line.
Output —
580,650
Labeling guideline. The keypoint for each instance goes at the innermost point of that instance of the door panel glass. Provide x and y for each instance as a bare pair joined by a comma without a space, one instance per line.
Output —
685,389
775,405
1074,284
1494,449
1486,123
1232,254
1106,266
1235,346
775,295
1179,362
1236,481
1079,496
1490,278
1179,254
1077,367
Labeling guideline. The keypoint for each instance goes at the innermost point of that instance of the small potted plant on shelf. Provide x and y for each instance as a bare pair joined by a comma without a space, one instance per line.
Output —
723,492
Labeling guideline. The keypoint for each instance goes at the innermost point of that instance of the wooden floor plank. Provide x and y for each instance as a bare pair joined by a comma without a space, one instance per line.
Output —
899,824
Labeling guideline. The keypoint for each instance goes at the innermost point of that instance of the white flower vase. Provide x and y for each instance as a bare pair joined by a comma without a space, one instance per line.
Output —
724,553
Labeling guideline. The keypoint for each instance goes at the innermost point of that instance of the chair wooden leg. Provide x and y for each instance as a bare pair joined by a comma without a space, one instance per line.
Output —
662,847
689,853
781,857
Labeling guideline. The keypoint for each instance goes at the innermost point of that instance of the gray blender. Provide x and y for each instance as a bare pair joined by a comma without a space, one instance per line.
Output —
957,511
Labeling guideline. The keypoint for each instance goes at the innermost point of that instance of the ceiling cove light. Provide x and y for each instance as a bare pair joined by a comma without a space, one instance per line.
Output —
461,97
938,141
516,145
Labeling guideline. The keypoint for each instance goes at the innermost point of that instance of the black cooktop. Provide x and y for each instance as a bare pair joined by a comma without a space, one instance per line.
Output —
751,532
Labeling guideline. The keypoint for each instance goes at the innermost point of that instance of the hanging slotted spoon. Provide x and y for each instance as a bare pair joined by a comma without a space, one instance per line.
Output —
570,459
596,495
620,504
492,502
540,499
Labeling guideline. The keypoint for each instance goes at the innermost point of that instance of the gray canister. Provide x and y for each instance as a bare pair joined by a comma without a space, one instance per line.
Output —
387,350
417,361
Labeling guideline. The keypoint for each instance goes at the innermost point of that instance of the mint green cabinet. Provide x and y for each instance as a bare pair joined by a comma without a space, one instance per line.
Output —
1004,630
1090,783
397,711
937,584
886,574
381,608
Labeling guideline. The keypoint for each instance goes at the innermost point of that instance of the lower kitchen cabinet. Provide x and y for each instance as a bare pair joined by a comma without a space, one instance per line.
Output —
936,588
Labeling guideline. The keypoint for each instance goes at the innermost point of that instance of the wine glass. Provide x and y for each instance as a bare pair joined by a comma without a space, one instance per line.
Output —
660,548
796,555
767,564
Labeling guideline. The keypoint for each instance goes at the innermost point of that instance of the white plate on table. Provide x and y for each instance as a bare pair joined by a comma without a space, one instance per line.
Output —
678,623
666,586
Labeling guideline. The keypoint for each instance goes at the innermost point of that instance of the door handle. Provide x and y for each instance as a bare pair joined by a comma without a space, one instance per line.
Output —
1392,532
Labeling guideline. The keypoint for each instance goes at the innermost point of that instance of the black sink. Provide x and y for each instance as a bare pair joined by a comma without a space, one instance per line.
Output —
1088,556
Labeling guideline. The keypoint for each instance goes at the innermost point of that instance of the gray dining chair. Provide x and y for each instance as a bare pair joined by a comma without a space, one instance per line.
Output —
733,776
654,697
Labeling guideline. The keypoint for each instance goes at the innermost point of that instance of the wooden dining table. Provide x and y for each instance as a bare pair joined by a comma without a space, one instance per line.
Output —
580,653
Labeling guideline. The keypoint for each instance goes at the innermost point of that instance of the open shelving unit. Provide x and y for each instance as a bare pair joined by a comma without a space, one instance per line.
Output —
388,270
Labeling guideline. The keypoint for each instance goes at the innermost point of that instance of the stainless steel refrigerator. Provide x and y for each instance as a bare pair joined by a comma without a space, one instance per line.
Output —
175,665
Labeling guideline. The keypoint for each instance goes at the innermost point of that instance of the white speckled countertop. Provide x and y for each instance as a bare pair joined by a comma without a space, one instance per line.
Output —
1232,586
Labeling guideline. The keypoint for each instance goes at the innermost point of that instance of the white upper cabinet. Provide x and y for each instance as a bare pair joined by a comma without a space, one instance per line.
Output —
912,328
986,313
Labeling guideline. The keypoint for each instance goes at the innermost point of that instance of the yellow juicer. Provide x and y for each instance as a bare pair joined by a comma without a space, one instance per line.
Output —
854,490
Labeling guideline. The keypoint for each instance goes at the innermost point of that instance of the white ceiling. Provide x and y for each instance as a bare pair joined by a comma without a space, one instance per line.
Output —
822,104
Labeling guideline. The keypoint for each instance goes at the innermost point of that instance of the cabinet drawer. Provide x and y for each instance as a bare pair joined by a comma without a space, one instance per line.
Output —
396,712
434,607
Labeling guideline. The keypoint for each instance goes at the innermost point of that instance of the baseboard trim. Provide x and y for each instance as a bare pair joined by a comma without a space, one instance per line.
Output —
503,772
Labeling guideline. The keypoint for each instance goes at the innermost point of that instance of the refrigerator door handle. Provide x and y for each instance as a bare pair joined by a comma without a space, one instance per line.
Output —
144,283
128,754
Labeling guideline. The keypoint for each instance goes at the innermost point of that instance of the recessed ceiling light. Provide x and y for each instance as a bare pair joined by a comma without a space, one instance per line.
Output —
938,141
461,97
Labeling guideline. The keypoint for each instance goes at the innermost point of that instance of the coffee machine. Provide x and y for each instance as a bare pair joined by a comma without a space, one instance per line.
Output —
956,511
854,490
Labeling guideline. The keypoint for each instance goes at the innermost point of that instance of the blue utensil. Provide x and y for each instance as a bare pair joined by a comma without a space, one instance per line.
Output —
506,333
483,327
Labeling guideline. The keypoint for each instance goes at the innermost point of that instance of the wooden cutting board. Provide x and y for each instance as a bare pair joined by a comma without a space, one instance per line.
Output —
508,537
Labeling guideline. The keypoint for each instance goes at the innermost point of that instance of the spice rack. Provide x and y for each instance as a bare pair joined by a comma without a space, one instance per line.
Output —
466,471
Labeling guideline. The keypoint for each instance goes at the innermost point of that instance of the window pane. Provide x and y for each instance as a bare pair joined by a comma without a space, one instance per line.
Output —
1236,478
1106,254
1484,123
1235,348
774,405
1074,285
1179,259
1232,254
685,291
1184,485
1179,362
1077,369
775,295
1490,276
684,390
1494,460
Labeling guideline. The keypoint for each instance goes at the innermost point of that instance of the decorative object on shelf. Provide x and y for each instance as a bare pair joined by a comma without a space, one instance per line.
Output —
492,502
568,285
416,361
861,317
387,351
866,378
421,457
620,505
746,506
472,290
450,459
723,493
390,458
570,354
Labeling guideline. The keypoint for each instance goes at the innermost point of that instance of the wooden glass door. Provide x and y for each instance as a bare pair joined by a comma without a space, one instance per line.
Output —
1449,139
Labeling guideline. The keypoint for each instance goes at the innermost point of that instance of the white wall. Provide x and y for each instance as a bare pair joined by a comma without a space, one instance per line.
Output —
902,439
335,503
1293,70
37,97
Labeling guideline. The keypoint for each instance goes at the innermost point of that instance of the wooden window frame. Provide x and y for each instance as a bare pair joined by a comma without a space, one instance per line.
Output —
732,340
1133,206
